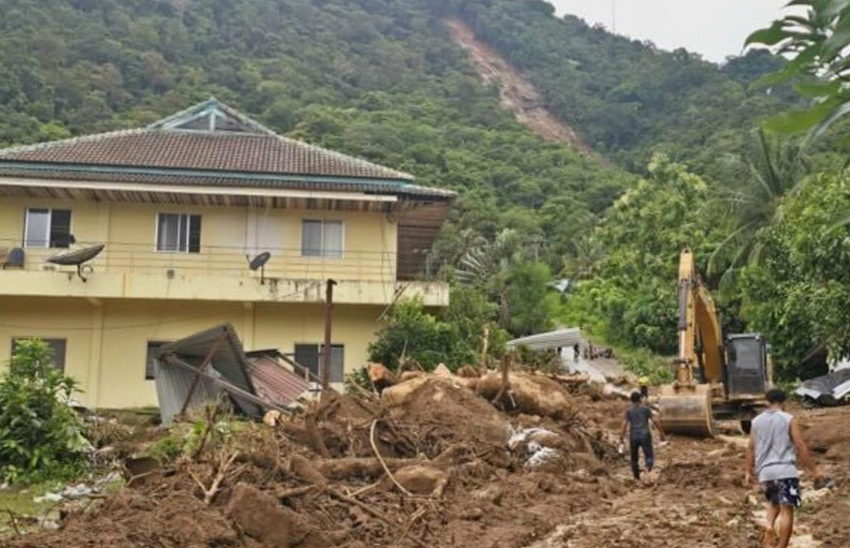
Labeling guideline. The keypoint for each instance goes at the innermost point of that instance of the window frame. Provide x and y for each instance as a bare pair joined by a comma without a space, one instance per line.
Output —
323,254
49,340
317,375
50,241
189,217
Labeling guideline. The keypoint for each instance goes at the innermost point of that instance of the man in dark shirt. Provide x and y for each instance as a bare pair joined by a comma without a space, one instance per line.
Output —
637,424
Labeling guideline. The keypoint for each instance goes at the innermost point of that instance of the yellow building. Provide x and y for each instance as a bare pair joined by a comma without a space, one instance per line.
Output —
181,207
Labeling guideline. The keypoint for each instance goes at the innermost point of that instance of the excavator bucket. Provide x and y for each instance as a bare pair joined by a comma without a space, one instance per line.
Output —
687,410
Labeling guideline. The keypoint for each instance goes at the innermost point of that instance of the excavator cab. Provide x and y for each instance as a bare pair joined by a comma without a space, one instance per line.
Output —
747,374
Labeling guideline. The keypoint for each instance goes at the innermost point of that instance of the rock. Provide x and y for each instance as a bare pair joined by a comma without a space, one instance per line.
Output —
305,470
420,480
381,377
530,394
272,417
473,514
261,517
443,371
492,494
398,394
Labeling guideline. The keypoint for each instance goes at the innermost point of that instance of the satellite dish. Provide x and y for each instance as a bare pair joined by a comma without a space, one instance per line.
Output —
78,258
259,263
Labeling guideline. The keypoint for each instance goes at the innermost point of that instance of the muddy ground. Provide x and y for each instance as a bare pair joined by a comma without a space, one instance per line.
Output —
466,485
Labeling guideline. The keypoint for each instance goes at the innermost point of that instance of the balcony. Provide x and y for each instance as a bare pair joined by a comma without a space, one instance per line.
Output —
132,270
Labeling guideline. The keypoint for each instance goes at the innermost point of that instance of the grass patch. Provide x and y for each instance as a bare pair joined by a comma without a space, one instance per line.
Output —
20,500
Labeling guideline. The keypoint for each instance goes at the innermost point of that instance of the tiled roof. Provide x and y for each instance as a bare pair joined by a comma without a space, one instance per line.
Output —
224,179
211,137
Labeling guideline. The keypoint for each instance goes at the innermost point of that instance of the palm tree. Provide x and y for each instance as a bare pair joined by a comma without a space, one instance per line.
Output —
487,266
585,257
769,171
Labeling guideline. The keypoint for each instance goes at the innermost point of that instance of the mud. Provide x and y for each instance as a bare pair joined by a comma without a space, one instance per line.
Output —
468,486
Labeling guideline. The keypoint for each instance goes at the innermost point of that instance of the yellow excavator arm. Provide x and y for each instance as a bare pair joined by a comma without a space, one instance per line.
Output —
698,321
727,390
686,404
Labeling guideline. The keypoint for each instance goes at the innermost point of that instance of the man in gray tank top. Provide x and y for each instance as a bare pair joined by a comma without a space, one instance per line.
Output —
775,445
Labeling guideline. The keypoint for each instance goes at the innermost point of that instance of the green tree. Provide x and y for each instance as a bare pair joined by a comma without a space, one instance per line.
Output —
750,198
816,45
40,436
632,299
453,338
798,295
530,303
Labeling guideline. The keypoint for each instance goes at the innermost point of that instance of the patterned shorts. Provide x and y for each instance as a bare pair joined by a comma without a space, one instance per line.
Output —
784,492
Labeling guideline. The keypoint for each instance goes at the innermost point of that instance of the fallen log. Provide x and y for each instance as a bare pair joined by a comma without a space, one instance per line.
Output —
530,394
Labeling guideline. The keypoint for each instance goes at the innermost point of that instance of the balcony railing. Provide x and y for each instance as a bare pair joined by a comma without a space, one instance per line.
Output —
284,263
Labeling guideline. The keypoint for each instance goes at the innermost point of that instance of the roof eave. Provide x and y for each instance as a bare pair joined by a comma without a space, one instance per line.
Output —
369,184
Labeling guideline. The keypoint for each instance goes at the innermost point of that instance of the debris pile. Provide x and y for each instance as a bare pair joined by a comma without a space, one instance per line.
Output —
437,460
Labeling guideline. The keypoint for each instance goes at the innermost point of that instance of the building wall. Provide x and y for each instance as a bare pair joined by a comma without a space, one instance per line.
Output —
107,339
228,234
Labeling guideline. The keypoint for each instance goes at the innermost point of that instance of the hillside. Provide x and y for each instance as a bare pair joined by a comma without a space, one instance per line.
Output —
385,82
626,98
515,91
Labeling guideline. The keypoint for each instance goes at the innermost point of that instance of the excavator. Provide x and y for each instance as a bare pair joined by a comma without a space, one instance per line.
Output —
716,378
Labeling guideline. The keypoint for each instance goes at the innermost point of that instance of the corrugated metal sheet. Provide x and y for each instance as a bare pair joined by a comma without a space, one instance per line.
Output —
828,389
274,382
229,362
550,340
172,386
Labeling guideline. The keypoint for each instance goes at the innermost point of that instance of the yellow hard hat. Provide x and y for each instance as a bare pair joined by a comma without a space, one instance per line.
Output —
643,381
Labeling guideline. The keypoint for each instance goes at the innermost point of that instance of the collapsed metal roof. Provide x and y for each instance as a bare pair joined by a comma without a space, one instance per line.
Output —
548,341
831,389
212,364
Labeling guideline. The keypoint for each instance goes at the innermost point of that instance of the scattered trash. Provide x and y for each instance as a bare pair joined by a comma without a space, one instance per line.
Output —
48,497
535,445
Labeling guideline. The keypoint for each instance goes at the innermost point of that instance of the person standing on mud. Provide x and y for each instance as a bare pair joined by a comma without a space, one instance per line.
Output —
775,444
637,425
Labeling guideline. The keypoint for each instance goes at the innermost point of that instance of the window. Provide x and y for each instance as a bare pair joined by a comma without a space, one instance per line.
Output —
57,350
309,355
47,228
321,238
178,233
150,366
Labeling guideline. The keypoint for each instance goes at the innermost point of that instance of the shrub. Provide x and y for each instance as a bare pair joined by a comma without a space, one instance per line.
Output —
40,435
453,338
644,363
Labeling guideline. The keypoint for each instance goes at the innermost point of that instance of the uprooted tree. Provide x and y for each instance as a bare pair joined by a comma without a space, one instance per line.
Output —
40,435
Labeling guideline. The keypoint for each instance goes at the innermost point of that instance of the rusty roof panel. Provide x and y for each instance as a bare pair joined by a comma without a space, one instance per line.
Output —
275,383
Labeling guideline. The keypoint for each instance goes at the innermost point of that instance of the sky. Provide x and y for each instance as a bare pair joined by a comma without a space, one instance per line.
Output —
713,28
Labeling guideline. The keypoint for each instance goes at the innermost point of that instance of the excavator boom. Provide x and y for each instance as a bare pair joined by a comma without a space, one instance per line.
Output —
686,404
707,385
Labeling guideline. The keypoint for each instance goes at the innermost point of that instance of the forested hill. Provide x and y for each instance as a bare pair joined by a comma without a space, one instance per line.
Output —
628,98
382,79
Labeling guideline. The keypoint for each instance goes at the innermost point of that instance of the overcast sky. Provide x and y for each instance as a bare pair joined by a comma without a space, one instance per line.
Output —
714,28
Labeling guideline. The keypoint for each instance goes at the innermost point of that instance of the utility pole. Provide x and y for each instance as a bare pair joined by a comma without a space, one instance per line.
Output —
326,350
613,16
